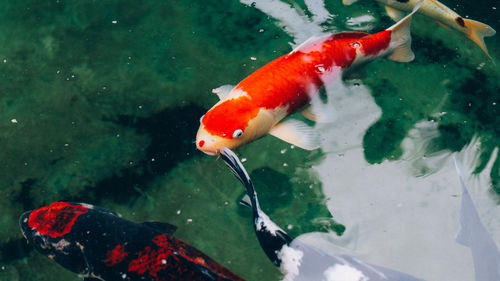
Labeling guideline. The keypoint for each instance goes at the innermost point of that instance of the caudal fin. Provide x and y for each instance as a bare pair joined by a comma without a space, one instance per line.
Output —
401,38
476,31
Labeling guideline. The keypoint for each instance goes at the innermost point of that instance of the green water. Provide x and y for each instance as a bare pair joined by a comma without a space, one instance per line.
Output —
100,102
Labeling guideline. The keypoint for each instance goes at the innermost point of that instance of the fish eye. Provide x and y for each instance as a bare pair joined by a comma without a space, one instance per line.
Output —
355,44
238,133
201,118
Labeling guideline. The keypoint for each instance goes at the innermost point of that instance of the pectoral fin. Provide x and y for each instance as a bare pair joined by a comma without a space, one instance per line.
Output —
394,14
297,133
348,2
246,201
223,91
307,113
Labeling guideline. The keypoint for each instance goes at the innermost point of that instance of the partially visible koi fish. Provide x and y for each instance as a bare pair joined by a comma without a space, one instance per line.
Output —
474,30
300,261
255,106
297,260
100,245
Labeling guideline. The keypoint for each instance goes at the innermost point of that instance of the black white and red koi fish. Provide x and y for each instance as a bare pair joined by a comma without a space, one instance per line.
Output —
98,244
255,106
302,262
298,260
474,30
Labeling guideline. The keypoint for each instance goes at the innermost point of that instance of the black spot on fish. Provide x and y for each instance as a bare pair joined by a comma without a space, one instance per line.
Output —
403,1
460,21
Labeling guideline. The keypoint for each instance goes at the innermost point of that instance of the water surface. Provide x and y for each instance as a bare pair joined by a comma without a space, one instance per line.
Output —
100,102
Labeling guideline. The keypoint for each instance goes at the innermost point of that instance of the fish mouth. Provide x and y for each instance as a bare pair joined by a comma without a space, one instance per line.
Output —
206,150
210,153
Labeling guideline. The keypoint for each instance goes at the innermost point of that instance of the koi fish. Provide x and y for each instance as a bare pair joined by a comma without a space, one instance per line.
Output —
474,30
298,260
98,244
255,106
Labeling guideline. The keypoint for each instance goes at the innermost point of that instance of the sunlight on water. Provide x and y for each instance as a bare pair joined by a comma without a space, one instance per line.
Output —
100,102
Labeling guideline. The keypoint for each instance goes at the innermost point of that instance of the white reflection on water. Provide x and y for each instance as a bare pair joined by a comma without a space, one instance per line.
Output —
292,19
401,214
393,217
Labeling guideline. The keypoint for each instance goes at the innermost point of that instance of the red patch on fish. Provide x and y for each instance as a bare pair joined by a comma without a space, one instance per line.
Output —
229,116
372,45
173,253
150,261
56,219
116,255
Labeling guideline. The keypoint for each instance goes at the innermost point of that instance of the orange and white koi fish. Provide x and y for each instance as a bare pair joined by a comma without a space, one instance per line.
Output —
474,30
255,106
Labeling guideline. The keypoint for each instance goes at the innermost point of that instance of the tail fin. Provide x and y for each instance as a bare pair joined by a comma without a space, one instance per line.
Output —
401,38
476,31
474,235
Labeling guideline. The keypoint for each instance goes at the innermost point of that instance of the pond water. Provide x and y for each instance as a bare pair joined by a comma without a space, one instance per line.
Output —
100,102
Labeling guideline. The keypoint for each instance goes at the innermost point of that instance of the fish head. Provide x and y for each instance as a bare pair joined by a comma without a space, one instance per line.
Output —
48,230
39,241
232,123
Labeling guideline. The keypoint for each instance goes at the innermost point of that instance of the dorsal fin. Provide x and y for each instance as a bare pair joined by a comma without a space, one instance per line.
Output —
310,42
223,91
297,133
245,201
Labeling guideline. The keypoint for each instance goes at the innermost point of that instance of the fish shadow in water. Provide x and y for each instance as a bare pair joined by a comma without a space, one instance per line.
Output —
172,141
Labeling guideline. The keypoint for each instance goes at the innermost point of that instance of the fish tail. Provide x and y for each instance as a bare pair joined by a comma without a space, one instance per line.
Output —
476,31
401,38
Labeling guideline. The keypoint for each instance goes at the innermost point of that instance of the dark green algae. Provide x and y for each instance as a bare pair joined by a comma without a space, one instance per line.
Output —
106,112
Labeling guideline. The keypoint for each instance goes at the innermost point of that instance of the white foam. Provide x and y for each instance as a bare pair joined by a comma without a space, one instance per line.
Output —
317,8
341,272
393,199
293,23
362,23
290,262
